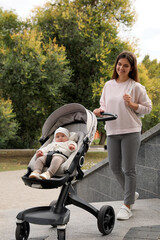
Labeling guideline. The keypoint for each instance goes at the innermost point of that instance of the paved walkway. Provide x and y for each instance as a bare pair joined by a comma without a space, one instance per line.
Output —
15,197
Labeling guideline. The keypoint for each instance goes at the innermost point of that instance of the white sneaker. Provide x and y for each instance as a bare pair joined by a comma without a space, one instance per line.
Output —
45,175
135,198
124,213
34,174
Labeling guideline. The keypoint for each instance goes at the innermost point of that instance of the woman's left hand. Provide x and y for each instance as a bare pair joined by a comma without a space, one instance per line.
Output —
127,98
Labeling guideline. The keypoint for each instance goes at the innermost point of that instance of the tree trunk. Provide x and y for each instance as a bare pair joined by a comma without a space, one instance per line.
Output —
102,139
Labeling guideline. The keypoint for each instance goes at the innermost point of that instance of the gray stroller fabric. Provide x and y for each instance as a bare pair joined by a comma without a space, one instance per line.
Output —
70,113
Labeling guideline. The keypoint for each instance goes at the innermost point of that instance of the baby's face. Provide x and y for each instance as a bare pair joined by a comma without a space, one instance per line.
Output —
61,137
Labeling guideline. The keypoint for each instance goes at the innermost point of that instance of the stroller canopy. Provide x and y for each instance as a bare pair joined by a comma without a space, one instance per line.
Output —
67,114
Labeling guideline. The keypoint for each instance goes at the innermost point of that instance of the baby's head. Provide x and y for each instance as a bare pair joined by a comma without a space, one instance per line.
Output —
61,135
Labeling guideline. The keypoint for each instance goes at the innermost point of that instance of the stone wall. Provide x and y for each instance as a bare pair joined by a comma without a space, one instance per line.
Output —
148,164
100,185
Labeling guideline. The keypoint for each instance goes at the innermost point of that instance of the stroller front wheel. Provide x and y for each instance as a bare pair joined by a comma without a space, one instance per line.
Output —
61,234
22,231
106,219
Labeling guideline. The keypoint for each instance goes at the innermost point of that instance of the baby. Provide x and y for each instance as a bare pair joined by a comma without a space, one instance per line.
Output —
62,147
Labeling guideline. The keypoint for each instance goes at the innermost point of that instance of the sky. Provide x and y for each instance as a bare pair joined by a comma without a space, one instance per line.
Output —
146,29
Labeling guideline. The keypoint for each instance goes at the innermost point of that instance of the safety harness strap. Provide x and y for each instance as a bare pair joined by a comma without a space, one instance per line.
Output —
49,157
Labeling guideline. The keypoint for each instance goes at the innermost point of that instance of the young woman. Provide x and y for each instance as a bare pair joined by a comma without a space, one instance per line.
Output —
126,97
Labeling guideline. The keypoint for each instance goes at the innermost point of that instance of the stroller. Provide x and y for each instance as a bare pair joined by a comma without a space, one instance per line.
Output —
77,119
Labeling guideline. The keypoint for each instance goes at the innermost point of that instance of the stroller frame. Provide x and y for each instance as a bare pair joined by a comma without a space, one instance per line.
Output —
56,214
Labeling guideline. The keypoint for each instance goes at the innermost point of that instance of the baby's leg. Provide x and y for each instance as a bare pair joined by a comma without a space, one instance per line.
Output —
38,167
39,164
55,164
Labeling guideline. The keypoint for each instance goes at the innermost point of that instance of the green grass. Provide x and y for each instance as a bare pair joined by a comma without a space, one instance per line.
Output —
6,166
93,158
96,141
11,164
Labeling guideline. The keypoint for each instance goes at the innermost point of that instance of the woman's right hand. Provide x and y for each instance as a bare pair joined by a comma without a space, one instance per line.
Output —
98,111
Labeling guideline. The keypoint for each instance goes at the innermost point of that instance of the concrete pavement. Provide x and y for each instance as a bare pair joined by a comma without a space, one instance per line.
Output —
15,197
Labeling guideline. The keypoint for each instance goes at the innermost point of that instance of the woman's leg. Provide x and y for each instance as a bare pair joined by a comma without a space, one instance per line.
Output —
55,164
130,146
122,153
115,158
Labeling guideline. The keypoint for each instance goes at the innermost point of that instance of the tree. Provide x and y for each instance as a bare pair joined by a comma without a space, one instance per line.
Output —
9,24
8,124
33,75
67,51
149,74
89,31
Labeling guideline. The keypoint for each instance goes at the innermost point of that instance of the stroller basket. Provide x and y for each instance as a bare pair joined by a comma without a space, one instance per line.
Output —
77,119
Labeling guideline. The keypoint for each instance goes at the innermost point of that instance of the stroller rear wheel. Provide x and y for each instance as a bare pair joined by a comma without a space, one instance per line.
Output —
22,231
106,219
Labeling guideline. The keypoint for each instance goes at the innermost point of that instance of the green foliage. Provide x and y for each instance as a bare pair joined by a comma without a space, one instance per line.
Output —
65,53
8,124
153,67
149,73
33,75
152,119
9,24
89,31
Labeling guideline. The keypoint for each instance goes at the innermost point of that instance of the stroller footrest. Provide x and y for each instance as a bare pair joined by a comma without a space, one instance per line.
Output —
54,182
45,216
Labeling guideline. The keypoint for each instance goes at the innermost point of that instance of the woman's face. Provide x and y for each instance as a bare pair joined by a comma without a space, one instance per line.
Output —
123,67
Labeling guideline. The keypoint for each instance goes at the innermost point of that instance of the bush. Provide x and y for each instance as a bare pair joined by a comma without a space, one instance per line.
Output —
152,119
8,124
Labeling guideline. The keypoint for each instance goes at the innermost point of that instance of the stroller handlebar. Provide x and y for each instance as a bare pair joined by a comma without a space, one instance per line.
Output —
107,117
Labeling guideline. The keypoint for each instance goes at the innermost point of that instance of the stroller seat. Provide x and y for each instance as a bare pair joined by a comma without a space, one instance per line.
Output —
63,173
77,119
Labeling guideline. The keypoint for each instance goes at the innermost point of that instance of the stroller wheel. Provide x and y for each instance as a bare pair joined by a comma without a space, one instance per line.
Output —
22,231
106,219
61,234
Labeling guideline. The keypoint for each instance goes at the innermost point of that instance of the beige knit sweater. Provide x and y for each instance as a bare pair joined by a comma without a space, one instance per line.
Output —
112,101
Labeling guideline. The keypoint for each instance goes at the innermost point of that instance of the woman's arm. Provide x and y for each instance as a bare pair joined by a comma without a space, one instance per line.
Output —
143,104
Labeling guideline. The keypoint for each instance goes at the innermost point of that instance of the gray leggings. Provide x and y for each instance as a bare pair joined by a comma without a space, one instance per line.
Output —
122,152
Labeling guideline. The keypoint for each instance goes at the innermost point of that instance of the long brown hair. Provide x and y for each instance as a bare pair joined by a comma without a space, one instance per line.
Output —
132,60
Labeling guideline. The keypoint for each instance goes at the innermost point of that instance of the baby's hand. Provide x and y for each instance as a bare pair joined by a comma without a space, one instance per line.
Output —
39,153
71,147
